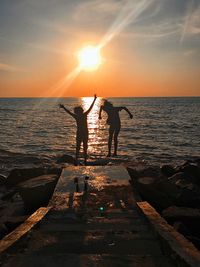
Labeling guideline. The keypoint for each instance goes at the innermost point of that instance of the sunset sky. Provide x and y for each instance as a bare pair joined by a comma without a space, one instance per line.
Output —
149,47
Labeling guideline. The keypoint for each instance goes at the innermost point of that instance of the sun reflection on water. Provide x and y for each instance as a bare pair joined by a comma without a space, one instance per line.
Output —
94,125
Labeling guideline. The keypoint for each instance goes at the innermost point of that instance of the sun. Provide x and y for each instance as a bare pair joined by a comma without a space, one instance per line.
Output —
89,58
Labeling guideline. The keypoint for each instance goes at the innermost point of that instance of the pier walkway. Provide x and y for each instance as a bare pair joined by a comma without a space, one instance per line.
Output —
100,225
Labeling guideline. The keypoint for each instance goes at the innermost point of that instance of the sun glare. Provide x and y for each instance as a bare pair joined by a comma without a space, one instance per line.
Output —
89,58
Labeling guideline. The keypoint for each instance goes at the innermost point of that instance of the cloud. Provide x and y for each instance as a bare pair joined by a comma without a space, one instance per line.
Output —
191,21
10,68
98,9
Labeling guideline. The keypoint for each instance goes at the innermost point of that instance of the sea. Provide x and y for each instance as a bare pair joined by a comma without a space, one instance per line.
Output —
36,131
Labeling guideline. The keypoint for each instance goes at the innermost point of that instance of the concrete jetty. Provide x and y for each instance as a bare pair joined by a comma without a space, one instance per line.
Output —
93,219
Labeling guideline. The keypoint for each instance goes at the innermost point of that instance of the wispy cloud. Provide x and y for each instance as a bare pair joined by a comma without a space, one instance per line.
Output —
98,9
191,21
10,68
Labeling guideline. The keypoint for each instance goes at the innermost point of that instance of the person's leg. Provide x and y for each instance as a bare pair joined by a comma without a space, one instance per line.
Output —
78,146
111,131
85,147
116,133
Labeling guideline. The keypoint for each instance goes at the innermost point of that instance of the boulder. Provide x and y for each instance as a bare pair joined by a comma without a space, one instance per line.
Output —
66,159
168,170
192,173
180,213
168,187
9,194
187,197
176,177
37,191
17,176
2,180
148,171
151,193
3,230
13,221
133,172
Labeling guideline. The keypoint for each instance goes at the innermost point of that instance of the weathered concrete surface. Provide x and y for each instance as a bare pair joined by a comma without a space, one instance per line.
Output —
101,227
24,228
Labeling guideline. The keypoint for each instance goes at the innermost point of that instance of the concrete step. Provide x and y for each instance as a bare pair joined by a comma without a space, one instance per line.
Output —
88,260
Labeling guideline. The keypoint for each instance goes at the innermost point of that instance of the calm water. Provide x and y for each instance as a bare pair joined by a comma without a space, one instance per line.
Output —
162,129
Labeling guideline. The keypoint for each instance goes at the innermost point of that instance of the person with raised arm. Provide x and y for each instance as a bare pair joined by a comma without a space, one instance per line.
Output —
82,128
115,123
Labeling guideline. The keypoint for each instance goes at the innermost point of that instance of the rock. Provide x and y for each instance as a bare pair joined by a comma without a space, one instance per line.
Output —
168,170
66,159
147,180
3,230
9,194
19,175
148,189
181,228
2,180
168,187
12,222
133,172
37,191
192,173
176,177
149,171
188,198
179,213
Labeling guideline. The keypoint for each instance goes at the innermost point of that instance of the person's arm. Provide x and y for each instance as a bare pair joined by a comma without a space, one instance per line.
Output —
101,108
90,108
68,111
129,113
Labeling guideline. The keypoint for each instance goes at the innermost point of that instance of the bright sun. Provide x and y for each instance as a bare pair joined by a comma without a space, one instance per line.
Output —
89,58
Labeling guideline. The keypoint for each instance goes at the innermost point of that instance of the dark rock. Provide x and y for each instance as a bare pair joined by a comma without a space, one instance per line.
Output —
149,181
3,230
12,222
66,159
19,175
37,191
176,177
133,172
168,170
188,198
192,173
179,213
150,192
2,180
181,228
8,195
149,171
168,187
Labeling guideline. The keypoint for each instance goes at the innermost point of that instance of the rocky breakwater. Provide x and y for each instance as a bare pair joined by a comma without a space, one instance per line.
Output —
175,192
22,192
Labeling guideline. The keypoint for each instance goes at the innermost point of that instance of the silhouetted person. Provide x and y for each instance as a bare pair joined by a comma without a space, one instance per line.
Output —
82,129
114,122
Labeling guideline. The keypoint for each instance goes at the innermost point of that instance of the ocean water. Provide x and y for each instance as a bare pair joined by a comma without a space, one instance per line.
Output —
162,129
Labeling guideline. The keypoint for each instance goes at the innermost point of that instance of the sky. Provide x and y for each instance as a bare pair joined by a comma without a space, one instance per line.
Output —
149,47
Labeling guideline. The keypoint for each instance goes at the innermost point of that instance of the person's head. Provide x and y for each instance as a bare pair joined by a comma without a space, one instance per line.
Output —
78,110
107,104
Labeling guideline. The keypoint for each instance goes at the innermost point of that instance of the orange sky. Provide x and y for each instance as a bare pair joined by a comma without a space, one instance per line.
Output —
148,49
